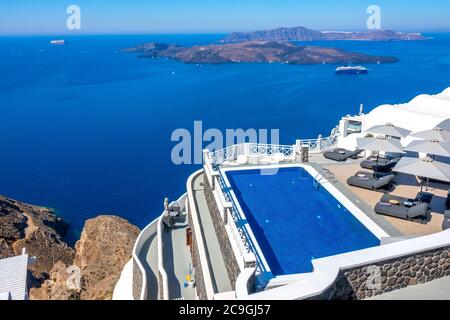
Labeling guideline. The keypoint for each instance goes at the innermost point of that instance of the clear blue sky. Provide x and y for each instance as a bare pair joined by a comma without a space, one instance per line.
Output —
209,16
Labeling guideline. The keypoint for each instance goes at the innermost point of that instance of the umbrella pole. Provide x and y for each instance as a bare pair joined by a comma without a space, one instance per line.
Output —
378,157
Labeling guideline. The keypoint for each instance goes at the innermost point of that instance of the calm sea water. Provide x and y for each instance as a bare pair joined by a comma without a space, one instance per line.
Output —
85,129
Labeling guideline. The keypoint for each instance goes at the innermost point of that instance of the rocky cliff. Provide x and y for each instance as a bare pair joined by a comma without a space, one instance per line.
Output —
38,230
305,34
103,250
60,272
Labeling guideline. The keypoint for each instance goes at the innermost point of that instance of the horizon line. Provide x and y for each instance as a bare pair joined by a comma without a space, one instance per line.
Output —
217,32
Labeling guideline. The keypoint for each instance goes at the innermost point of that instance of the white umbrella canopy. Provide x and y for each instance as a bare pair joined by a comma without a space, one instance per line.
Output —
424,167
435,134
380,144
429,147
389,129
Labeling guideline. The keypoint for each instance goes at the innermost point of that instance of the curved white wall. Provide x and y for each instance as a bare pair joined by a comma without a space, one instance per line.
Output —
145,234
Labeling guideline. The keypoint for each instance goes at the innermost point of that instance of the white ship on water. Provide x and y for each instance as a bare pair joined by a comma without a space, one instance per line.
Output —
58,42
208,244
352,70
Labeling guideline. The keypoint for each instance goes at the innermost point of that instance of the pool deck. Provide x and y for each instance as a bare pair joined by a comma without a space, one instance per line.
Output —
407,186
177,260
219,275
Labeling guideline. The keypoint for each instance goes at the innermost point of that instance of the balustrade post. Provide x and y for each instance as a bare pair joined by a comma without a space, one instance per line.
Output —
206,158
226,209
249,260
247,149
213,185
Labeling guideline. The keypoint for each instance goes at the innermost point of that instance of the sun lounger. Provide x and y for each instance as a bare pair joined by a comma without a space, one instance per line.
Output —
420,197
340,154
383,164
447,201
424,197
446,222
371,181
416,212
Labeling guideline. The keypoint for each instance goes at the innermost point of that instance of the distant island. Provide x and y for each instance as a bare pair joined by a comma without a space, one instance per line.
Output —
255,51
305,34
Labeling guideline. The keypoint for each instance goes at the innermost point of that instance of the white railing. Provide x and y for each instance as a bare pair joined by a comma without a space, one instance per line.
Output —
317,145
288,152
232,153
161,270
270,149
226,210
236,234
243,242
145,234
228,154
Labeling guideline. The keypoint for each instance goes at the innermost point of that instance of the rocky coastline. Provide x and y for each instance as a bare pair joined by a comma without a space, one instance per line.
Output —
100,254
305,34
256,52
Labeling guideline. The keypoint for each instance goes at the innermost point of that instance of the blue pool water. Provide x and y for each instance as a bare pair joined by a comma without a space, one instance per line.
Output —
295,222
86,129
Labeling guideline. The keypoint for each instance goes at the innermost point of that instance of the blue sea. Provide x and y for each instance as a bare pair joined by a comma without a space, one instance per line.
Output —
86,129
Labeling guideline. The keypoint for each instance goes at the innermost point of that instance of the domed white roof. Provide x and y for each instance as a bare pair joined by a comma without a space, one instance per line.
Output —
421,113
445,93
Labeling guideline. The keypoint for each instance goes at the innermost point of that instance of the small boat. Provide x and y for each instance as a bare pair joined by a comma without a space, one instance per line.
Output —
351,70
58,42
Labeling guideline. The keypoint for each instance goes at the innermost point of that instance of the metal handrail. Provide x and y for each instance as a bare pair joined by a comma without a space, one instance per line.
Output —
245,236
233,151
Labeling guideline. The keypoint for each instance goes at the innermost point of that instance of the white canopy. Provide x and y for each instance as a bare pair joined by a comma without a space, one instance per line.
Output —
435,134
380,144
389,129
425,167
429,147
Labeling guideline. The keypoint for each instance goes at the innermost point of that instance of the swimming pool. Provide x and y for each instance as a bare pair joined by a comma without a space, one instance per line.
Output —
294,219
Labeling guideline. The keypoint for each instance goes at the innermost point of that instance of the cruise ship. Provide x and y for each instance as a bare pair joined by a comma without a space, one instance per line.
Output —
58,42
322,218
351,70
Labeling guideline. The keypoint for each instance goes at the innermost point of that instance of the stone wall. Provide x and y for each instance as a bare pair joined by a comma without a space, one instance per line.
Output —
137,281
375,279
231,264
199,281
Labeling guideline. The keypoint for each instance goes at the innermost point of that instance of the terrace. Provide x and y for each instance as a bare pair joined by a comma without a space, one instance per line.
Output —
239,222
161,261
329,174
406,186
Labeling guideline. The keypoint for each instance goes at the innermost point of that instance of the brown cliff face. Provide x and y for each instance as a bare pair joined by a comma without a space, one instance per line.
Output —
38,230
104,248
305,34
101,253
